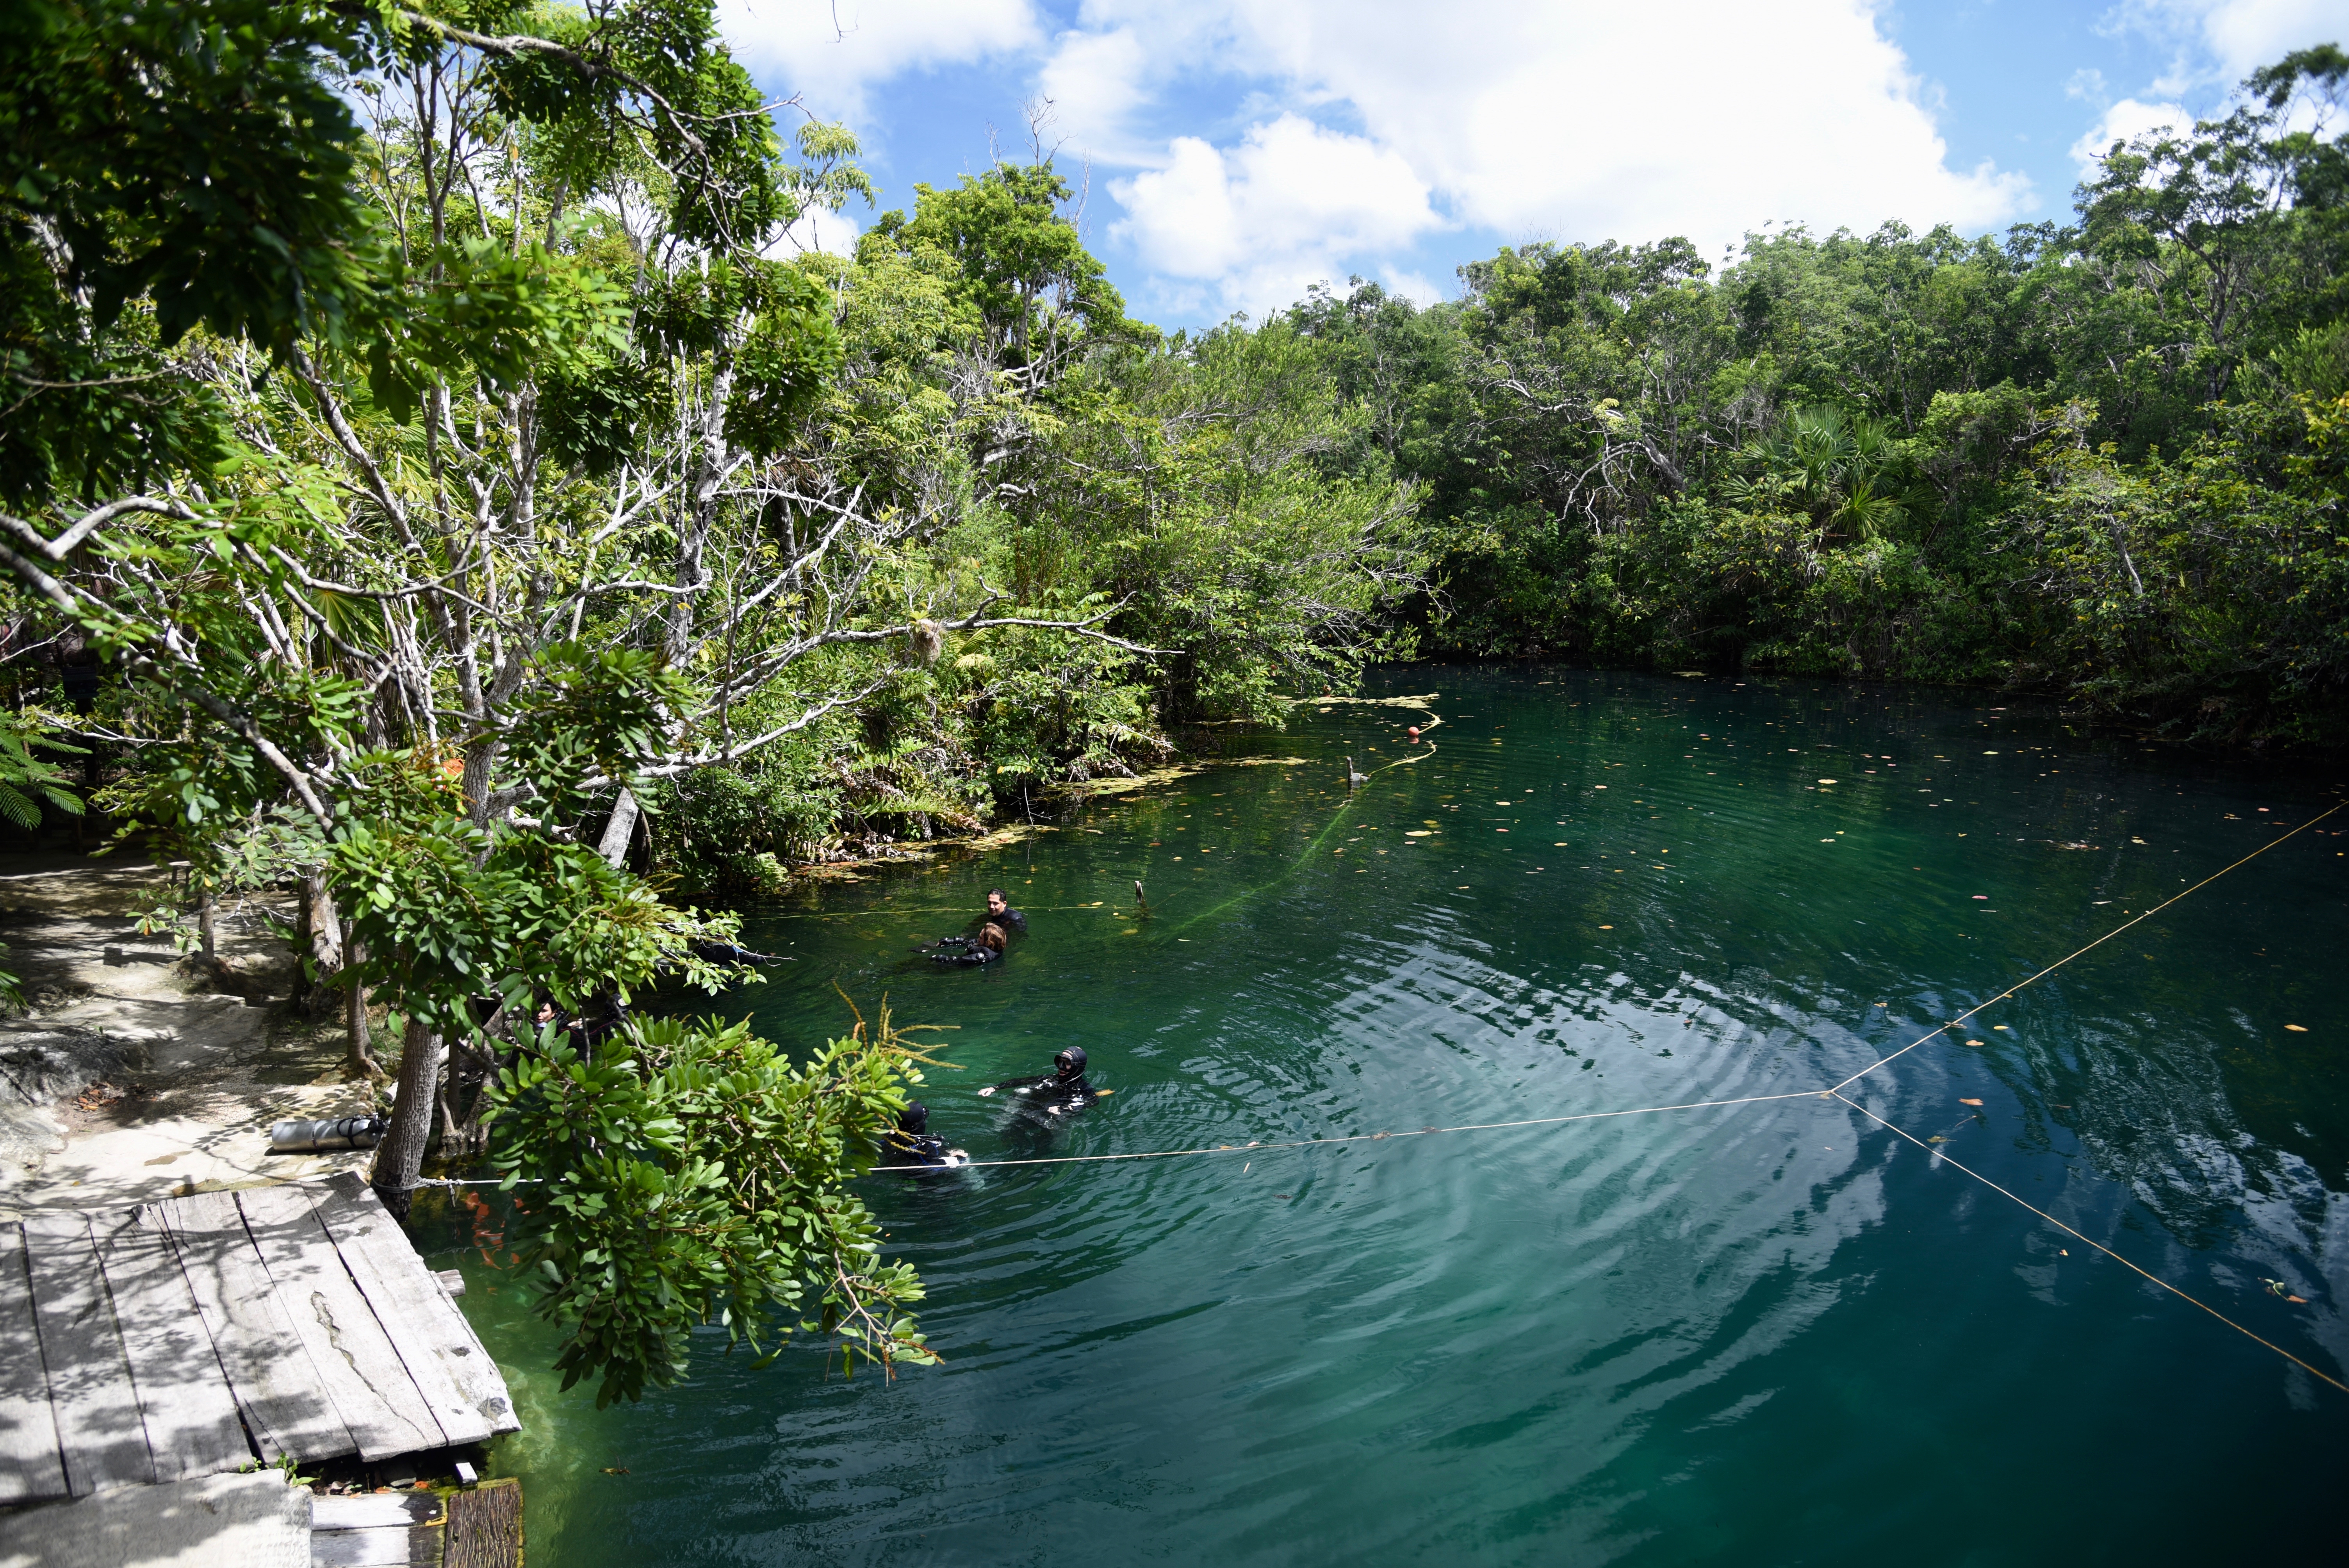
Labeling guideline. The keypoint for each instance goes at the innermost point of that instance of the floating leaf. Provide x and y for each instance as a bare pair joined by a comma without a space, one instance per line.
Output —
1969,1102
1936,1137
1974,1042
2297,1029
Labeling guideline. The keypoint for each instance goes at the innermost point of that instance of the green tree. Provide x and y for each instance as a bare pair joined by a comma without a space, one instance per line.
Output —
503,536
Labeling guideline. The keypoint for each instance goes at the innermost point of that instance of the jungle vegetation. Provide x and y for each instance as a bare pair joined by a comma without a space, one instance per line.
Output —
2100,460
434,480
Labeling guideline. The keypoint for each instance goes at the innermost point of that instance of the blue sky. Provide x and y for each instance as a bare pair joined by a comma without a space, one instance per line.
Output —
1234,151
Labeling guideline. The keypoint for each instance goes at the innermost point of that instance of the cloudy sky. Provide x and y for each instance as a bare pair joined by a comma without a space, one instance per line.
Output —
1234,151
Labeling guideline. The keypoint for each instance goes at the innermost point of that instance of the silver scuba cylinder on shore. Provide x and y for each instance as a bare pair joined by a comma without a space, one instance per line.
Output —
308,1137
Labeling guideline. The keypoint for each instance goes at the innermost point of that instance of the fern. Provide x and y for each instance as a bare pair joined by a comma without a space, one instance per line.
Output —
28,782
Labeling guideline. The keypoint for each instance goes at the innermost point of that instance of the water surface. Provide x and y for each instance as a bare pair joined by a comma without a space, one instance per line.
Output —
1760,1333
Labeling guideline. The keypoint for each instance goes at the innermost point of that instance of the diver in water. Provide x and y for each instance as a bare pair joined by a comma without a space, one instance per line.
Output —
909,1144
1000,912
1056,1093
986,947
603,1015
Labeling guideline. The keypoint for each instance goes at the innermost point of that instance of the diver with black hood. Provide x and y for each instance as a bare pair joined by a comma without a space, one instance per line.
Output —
1057,1093
908,1147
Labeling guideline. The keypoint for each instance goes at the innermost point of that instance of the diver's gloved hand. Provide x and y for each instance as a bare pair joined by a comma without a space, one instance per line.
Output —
1066,1082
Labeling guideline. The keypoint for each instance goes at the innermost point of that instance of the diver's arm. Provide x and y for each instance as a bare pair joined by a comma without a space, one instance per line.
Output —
1021,1085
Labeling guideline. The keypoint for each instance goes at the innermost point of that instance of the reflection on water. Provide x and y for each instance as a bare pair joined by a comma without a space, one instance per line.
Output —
1768,1331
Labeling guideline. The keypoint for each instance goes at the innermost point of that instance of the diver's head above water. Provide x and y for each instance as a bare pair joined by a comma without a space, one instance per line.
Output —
914,1119
1000,912
1070,1063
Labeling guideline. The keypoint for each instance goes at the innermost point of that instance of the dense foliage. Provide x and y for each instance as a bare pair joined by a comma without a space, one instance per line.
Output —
434,479
429,462
2101,460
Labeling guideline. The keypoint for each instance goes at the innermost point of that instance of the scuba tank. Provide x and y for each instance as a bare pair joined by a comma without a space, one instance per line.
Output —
307,1137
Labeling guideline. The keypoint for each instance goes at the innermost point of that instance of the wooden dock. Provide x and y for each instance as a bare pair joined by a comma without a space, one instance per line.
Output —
479,1527
196,1335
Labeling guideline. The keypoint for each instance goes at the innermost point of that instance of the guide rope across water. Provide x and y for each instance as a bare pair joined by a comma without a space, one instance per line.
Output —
1833,1092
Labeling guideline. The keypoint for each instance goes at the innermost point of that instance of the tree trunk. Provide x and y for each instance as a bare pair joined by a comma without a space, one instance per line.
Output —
621,830
205,932
359,1057
325,930
400,1155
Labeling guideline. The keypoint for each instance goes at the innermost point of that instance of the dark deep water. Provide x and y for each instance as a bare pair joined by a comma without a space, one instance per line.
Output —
1768,1332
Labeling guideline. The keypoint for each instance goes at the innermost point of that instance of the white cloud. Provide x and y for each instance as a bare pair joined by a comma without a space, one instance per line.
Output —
2124,121
817,229
833,52
1585,118
2087,84
2248,34
2217,42
1366,125
1280,211
1094,80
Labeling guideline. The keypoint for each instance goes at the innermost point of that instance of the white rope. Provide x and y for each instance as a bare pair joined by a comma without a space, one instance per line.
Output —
1352,1137
2008,994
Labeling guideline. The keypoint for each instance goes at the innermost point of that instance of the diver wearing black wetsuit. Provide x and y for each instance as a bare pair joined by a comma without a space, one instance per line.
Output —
1000,912
909,1144
1056,1093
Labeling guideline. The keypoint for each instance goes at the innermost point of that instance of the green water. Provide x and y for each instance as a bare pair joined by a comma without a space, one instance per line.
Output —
1769,1333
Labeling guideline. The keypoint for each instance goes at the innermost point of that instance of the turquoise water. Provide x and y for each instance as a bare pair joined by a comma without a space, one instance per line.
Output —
1762,1333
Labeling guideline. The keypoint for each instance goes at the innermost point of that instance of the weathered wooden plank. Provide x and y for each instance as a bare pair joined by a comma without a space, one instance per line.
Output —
270,1370
32,1464
485,1526
384,1547
99,1429
374,1510
253,1520
183,1395
370,1386
431,1335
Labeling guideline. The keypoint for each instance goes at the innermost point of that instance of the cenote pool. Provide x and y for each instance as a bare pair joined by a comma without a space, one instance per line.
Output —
1762,1332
